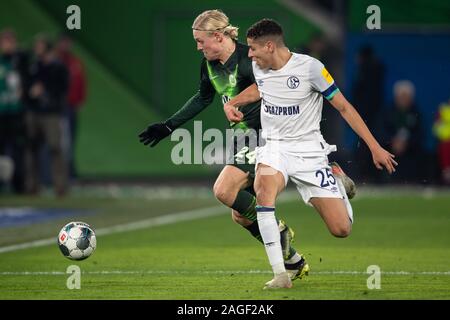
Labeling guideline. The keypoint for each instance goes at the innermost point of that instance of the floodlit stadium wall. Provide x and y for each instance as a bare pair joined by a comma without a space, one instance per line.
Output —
143,65
146,49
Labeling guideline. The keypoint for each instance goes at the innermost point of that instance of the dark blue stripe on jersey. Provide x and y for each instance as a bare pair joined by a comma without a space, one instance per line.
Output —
264,209
330,90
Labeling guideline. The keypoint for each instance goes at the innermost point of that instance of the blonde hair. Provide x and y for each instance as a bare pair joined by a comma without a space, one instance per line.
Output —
215,21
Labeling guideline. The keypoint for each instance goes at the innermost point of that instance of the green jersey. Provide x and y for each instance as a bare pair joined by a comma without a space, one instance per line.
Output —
228,80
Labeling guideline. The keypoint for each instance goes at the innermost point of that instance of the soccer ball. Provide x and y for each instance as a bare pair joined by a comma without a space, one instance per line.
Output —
77,240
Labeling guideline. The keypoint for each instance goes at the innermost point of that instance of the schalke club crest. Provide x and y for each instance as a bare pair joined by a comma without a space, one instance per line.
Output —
293,82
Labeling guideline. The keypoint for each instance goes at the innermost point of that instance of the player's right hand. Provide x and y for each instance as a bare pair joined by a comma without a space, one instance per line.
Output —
232,113
383,158
154,133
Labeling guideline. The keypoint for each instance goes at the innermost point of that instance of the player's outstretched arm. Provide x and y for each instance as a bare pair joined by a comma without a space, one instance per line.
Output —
381,157
154,133
247,96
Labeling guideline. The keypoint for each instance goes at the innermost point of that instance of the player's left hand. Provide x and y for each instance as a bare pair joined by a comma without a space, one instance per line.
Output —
154,133
383,158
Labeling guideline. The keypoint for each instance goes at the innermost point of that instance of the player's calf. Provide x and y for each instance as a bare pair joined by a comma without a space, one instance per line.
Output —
335,214
239,219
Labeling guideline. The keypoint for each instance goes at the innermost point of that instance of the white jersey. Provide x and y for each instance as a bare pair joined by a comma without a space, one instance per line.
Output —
291,105
291,110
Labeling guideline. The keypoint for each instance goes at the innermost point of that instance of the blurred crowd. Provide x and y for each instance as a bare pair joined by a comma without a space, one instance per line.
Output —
41,92
400,127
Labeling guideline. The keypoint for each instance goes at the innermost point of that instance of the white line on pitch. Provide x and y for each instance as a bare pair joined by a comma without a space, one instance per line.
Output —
142,224
171,272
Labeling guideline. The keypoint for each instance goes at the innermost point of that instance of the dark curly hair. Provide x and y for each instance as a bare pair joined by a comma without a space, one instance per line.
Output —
265,28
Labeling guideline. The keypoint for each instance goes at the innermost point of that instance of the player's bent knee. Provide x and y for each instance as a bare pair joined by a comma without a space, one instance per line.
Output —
221,193
341,230
264,197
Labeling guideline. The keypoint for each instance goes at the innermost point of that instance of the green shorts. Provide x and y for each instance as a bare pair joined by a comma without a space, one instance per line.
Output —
243,153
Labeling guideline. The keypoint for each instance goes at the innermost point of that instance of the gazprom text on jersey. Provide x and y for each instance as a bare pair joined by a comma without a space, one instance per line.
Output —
285,111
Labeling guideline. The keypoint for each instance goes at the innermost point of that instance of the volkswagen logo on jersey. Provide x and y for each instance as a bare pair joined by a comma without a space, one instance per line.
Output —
232,80
293,82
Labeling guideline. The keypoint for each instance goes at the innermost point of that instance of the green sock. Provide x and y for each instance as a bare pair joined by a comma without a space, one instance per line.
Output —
254,230
292,252
245,204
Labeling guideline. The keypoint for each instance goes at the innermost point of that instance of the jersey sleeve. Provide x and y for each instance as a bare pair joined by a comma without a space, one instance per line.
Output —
321,80
197,103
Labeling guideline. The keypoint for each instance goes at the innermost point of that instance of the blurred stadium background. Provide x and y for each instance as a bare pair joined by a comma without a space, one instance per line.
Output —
141,66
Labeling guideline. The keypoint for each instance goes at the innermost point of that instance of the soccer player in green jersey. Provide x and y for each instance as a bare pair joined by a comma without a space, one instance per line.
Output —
227,70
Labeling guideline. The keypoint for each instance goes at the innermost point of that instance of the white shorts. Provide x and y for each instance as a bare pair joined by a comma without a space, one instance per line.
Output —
311,173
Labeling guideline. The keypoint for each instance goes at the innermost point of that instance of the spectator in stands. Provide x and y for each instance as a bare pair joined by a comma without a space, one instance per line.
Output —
441,130
48,90
403,128
13,68
368,96
76,94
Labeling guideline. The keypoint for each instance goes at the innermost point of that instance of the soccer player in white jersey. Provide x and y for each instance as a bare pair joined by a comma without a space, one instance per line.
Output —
291,87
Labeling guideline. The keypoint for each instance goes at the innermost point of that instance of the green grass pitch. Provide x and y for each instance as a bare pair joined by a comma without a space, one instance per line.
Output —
406,235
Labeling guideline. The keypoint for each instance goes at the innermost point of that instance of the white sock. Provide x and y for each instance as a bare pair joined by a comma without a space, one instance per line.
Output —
271,237
345,198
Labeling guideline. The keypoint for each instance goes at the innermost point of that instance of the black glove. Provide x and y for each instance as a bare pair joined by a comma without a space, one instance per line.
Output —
155,133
